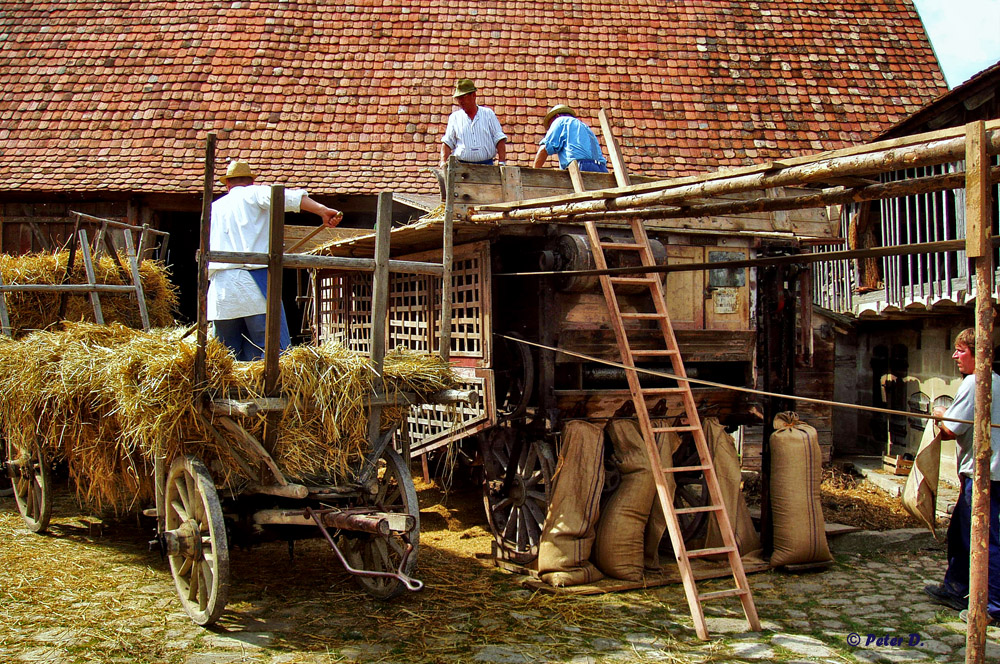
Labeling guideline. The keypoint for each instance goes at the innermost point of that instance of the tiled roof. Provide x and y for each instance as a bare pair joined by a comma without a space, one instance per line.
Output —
353,96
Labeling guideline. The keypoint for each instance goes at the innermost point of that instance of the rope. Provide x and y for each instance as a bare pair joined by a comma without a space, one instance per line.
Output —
708,383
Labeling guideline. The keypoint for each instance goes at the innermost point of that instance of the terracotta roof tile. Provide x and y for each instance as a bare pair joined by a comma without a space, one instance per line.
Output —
353,98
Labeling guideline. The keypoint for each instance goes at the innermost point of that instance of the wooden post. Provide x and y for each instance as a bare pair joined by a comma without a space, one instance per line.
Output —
64,297
140,294
447,253
272,328
977,219
88,264
206,234
614,152
380,304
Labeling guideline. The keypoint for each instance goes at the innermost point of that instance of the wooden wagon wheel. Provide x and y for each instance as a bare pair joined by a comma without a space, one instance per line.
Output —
378,553
516,491
31,480
195,540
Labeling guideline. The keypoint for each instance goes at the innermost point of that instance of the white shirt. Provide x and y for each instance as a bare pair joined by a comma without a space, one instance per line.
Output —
241,223
475,139
964,408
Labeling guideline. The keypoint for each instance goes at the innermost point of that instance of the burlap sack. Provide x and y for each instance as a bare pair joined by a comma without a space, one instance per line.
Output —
920,492
618,550
568,532
667,442
727,468
796,473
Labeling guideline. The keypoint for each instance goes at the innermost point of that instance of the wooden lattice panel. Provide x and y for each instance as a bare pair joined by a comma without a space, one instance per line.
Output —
467,307
331,303
410,312
359,313
429,426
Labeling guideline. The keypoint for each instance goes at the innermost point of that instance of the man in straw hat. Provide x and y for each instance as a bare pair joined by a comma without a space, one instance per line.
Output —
571,139
954,590
241,223
473,134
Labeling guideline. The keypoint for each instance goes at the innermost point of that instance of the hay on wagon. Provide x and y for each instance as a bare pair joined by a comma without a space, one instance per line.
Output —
108,398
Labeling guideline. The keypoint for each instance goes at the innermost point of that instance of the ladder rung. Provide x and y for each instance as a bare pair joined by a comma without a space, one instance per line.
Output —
634,281
638,315
653,391
659,352
666,429
730,592
702,508
684,469
701,553
622,245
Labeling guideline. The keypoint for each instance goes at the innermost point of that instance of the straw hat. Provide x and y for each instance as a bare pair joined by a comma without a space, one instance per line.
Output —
558,109
463,87
237,169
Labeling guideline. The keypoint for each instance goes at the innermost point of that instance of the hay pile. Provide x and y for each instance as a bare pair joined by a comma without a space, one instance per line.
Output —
38,311
108,398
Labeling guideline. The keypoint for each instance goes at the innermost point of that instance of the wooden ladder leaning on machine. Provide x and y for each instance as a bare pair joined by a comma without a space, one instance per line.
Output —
661,317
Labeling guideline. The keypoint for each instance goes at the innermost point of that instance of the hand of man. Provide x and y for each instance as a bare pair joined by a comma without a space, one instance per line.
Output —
331,217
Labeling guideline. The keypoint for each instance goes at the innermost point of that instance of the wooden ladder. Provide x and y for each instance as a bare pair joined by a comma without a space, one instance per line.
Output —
715,508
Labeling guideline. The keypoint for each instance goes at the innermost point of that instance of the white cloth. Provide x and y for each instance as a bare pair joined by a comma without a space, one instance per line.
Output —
241,223
475,139
964,408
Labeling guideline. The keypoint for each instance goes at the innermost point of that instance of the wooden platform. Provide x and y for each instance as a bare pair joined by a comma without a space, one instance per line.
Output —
703,569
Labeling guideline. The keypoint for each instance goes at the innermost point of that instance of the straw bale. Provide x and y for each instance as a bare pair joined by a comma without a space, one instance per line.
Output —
108,399
38,311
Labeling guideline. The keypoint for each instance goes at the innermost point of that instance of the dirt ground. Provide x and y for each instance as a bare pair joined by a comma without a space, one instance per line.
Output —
91,591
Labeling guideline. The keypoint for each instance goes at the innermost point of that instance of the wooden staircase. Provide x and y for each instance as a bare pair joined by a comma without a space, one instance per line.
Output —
640,394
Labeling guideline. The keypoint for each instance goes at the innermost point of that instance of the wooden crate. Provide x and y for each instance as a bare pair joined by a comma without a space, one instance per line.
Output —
896,465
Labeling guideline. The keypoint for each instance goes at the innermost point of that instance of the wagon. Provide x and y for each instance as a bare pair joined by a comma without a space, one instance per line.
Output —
369,515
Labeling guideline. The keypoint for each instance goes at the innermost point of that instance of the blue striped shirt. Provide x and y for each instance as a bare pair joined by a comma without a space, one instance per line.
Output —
475,139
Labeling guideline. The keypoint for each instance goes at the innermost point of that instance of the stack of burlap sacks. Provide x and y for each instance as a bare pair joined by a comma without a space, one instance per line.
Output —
583,540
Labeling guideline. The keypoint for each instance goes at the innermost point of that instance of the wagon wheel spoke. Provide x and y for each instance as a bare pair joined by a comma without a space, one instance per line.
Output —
180,510
193,580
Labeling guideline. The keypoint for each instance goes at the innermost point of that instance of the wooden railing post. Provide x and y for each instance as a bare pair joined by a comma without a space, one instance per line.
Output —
978,223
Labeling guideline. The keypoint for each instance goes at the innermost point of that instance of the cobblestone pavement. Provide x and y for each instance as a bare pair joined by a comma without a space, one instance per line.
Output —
91,592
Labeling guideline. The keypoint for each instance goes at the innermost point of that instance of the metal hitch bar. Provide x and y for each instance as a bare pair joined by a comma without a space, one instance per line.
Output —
409,582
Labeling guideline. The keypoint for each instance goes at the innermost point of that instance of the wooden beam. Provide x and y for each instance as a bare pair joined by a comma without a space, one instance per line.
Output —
380,304
977,220
206,234
510,180
272,328
895,146
614,152
447,255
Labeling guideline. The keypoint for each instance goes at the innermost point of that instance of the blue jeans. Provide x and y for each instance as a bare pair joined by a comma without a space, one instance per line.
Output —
487,162
592,165
245,336
956,579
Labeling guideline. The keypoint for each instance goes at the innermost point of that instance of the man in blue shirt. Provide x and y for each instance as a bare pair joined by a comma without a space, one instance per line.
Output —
571,139
954,591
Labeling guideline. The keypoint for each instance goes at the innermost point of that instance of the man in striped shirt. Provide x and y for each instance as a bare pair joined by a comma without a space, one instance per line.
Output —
473,135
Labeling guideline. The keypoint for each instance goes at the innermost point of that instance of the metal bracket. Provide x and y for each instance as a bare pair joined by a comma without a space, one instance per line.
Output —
409,582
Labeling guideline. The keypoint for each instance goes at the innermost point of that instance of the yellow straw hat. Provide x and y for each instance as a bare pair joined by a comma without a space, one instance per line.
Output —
237,169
